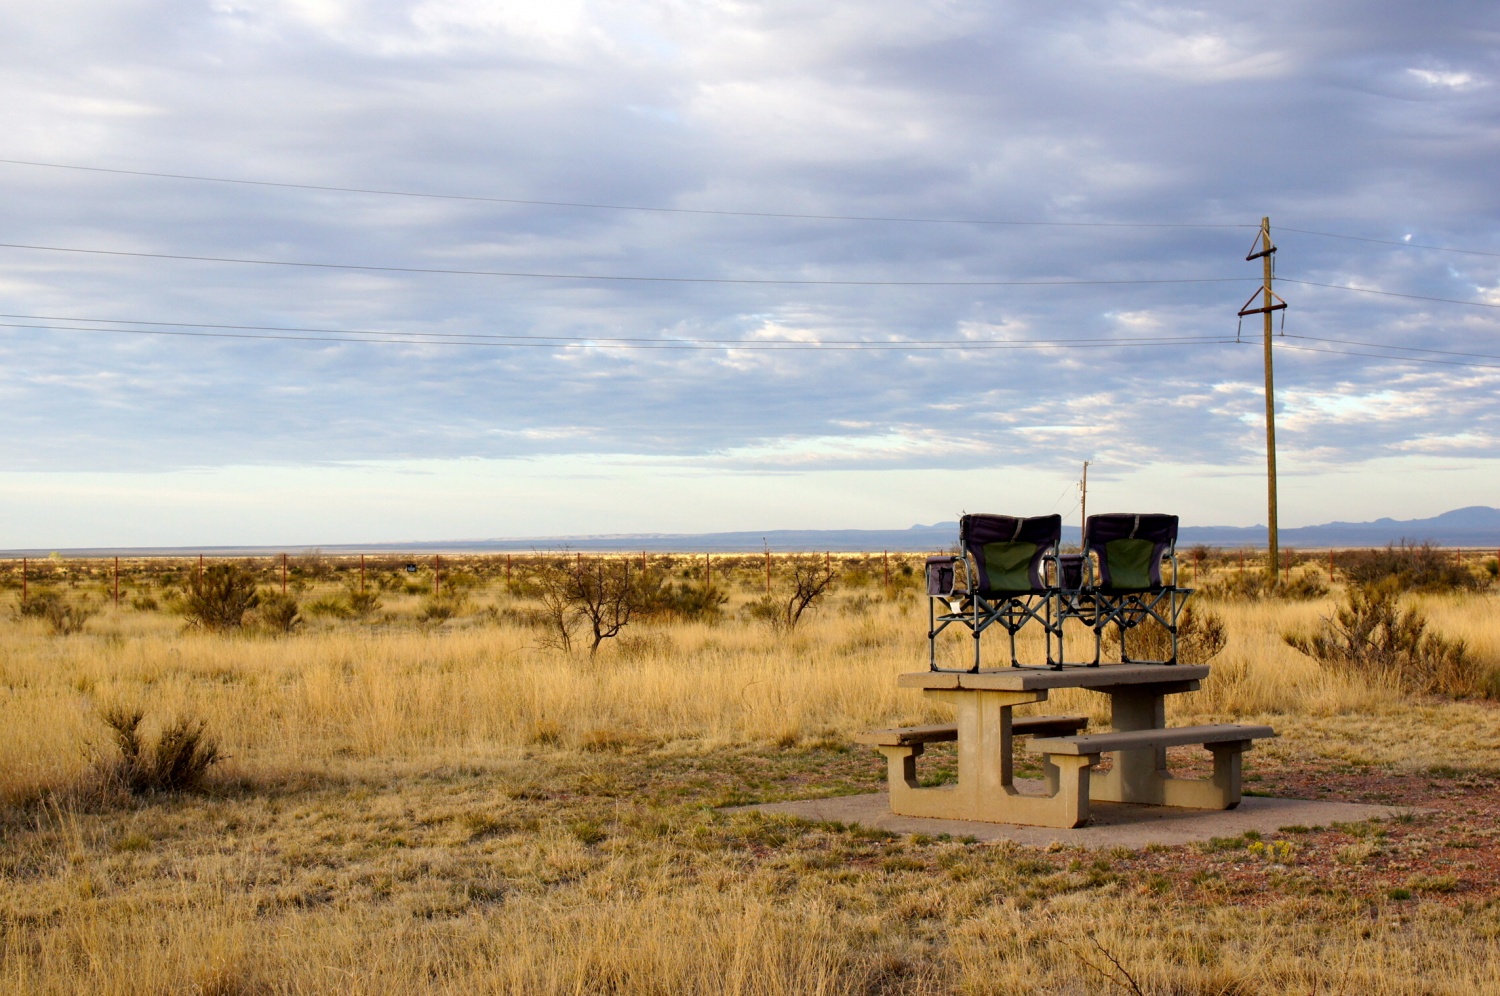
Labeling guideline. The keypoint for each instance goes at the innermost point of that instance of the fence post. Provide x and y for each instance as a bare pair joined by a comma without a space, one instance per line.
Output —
768,571
283,574
886,557
361,574
708,570
507,568
23,580
437,573
117,582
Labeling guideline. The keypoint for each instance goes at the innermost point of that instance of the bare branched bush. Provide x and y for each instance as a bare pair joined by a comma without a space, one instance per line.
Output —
797,591
175,761
1413,567
1201,637
599,595
1371,637
218,597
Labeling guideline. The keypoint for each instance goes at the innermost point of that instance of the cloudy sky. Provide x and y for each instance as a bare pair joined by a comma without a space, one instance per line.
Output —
588,267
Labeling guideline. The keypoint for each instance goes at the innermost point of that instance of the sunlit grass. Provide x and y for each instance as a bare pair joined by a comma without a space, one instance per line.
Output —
456,807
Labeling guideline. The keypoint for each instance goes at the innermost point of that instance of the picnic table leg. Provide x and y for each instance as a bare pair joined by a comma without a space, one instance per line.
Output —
1137,775
986,788
1141,776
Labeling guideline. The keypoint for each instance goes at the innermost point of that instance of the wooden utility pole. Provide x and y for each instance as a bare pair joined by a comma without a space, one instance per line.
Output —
1264,249
1083,502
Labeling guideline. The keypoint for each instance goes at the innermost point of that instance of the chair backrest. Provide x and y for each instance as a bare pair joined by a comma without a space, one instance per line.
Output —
1130,547
1008,551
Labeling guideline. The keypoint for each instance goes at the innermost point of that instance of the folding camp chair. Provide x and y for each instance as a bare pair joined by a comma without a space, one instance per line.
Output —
1128,589
1004,580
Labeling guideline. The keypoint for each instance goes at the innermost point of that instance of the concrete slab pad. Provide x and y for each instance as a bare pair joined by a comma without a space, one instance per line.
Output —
1114,824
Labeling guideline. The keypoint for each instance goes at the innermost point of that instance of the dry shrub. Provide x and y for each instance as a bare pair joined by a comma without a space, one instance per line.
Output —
61,616
1411,567
438,609
1200,638
645,647
176,761
218,597
1254,586
1370,637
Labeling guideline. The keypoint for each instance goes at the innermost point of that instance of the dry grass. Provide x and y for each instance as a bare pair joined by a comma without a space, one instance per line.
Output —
451,808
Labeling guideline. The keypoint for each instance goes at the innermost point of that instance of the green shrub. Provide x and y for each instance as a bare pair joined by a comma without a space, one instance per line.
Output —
330,606
363,604
278,613
683,601
1370,637
219,596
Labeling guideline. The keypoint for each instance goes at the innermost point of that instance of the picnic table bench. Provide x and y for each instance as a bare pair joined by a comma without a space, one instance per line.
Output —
985,731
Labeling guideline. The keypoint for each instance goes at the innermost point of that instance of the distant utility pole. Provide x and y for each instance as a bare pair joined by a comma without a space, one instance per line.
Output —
1083,503
1264,249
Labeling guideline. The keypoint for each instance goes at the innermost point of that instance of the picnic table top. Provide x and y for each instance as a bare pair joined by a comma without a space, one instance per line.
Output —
1022,679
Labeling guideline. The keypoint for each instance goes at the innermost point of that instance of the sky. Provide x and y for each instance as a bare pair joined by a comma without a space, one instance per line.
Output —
457,269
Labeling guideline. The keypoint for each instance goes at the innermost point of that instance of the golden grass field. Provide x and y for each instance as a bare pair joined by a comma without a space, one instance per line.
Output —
412,807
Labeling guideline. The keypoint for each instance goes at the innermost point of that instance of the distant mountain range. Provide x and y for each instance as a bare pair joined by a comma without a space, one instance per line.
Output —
1475,526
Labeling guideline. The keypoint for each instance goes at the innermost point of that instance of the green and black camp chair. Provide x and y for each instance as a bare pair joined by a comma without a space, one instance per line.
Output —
1001,577
1128,589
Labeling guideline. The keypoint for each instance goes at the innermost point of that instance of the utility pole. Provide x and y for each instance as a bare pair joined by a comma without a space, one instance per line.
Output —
1083,503
1264,249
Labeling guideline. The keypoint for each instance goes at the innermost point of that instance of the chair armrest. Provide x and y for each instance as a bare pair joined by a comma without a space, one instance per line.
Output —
941,575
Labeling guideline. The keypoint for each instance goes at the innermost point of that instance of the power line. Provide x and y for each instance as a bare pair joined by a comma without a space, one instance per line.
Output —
1381,345
1395,359
622,207
616,277
597,206
872,343
792,215
1367,290
606,342
1383,242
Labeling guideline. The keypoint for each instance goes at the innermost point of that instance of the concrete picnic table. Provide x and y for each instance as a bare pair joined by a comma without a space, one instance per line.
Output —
985,729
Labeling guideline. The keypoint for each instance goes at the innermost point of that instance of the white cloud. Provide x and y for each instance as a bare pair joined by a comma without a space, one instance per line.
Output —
1445,78
1106,111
